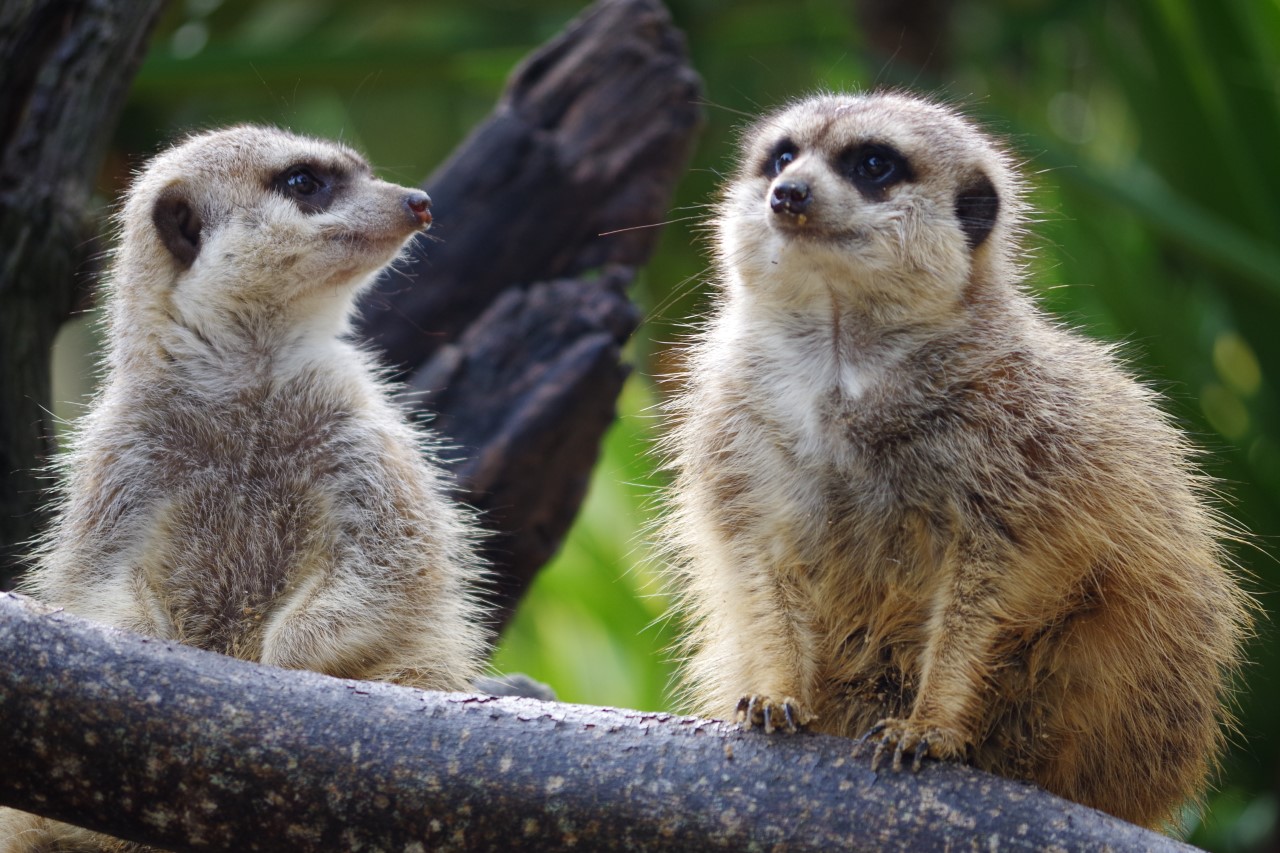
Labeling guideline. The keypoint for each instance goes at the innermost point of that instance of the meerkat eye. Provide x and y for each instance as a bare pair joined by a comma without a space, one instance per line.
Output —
873,168
779,158
300,181
310,188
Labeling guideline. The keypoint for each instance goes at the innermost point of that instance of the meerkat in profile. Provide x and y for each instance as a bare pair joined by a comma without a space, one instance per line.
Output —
909,507
244,482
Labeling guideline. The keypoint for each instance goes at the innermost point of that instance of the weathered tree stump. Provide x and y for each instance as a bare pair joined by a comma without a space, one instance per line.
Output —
512,323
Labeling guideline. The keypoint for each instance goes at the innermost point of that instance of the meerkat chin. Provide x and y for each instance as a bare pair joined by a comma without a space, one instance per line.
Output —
909,507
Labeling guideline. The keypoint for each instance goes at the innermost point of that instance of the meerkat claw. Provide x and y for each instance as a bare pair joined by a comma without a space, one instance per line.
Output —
897,753
750,711
772,715
917,759
877,756
869,734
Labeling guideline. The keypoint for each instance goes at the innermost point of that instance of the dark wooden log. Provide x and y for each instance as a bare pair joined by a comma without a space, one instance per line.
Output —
526,394
503,321
67,67
190,750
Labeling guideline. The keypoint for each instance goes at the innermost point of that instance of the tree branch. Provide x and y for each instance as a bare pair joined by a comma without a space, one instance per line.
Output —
190,750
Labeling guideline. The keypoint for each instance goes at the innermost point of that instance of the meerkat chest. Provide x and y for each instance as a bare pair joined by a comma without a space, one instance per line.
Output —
804,388
245,493
802,395
264,432
773,408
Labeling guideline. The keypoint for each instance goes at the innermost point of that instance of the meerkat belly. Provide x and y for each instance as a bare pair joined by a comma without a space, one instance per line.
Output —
837,545
230,555
248,514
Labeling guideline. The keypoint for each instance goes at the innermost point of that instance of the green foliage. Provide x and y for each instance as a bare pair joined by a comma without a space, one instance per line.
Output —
1149,128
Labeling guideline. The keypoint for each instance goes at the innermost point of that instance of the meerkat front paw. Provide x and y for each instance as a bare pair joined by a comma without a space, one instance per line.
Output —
788,715
905,736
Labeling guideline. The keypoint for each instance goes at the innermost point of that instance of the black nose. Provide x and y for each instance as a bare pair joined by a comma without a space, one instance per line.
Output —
790,197
418,204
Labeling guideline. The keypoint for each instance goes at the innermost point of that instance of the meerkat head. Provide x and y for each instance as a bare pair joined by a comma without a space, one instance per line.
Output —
253,224
884,199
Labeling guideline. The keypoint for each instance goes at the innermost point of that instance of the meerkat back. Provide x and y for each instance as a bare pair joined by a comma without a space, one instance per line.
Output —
909,507
244,482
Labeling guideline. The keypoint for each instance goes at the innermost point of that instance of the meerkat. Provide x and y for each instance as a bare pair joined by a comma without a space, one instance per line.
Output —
245,482
908,507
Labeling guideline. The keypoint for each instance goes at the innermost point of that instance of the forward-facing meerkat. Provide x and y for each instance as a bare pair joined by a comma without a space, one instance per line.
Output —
907,506
244,481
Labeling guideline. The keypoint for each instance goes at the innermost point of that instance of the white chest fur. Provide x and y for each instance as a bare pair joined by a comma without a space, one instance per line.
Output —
802,374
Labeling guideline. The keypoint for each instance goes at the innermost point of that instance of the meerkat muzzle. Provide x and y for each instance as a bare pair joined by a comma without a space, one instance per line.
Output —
418,204
791,198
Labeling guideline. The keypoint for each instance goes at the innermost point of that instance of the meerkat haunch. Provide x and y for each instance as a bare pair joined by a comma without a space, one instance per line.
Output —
907,506
244,482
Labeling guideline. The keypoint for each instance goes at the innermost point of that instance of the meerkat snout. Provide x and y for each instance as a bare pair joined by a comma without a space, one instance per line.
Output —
790,198
419,206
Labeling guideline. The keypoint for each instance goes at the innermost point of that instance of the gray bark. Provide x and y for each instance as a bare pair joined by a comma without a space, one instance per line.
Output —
189,750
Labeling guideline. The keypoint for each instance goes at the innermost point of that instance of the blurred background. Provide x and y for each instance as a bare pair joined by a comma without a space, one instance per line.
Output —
1151,133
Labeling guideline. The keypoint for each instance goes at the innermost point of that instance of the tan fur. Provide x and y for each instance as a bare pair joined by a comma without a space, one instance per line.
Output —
907,503
26,833
244,482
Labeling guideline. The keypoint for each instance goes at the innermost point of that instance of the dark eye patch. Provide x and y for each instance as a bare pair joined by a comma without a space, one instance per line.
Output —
873,167
308,185
780,156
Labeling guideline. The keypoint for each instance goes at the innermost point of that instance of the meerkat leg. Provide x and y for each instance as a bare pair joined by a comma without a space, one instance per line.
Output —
778,667
962,632
328,625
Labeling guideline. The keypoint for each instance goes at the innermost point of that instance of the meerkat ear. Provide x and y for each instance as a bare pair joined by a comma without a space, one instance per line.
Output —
976,207
178,225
